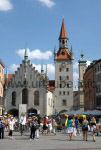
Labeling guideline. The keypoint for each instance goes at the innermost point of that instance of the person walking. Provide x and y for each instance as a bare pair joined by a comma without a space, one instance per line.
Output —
70,127
77,125
85,129
93,127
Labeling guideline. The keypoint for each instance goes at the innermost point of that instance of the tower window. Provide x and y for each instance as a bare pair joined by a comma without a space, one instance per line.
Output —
63,92
67,77
60,69
63,53
59,92
60,85
67,85
63,41
67,92
67,69
60,77
64,102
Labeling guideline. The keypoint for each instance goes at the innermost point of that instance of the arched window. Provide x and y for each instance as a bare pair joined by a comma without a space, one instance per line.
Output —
25,96
14,98
36,98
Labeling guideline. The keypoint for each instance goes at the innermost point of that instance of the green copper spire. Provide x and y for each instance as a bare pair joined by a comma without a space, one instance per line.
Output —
71,53
26,53
42,71
82,60
6,76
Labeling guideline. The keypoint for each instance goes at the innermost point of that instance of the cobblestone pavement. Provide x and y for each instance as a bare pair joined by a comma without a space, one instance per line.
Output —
49,142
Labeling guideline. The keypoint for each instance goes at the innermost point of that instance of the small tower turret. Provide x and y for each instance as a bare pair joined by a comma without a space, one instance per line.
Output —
26,54
72,53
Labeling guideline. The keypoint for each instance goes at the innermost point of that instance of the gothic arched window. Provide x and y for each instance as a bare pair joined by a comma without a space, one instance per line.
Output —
14,98
36,98
25,96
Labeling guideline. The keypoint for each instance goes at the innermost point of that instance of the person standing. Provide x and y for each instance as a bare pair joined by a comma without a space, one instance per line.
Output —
93,127
70,127
33,124
22,122
37,128
85,129
1,128
11,127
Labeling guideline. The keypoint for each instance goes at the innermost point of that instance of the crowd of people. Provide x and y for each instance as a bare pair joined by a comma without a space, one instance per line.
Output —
47,125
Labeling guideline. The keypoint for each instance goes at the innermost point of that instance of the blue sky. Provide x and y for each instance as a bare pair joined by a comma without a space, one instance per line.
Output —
38,23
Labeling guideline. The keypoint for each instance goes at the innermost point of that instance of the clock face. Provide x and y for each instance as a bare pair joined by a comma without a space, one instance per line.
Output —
63,83
63,65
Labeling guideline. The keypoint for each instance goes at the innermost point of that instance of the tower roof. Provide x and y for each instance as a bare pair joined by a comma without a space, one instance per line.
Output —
82,59
63,34
63,54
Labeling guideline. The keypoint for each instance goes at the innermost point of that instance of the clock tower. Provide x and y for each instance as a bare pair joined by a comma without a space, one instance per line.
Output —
63,59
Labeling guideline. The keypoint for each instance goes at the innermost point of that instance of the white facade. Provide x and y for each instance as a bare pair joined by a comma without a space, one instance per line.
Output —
22,88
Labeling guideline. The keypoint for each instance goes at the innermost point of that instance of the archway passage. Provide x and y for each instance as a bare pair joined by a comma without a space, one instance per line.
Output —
25,94
13,112
32,112
62,111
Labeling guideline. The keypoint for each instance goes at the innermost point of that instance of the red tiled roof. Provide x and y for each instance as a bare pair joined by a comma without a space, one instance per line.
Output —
51,85
63,53
63,34
10,76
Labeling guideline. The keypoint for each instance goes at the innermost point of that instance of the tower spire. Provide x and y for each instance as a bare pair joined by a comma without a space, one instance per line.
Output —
63,34
42,71
26,53
46,72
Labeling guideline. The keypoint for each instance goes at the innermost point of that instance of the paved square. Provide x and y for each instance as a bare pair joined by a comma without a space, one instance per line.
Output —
49,142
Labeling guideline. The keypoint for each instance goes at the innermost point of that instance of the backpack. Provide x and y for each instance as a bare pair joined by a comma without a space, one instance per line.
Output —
85,126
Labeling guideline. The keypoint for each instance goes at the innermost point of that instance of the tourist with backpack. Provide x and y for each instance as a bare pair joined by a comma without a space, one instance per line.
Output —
85,129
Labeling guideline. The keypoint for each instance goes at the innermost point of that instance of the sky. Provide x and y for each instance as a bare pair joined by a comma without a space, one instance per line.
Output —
38,22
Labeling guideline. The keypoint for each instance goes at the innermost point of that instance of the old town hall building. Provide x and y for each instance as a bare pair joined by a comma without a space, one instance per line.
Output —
41,95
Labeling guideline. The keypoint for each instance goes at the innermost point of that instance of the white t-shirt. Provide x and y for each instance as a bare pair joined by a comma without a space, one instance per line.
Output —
22,120
11,125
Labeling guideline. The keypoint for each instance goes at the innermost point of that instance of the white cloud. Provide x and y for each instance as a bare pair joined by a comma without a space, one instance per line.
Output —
5,5
75,65
13,67
47,3
88,63
35,54
50,68
75,80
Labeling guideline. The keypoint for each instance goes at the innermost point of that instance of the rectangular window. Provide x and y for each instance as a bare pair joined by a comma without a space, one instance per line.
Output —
60,69
59,92
67,77
60,85
63,92
67,92
60,77
64,102
67,85
67,69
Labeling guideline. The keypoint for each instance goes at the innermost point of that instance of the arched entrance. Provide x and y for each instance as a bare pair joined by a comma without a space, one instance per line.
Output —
13,112
25,95
63,111
32,111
